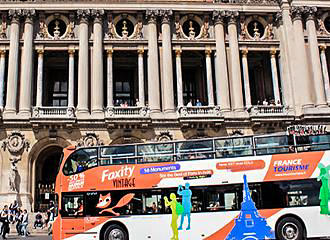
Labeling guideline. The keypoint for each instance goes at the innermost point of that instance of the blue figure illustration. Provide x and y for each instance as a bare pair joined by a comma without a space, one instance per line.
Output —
249,222
186,203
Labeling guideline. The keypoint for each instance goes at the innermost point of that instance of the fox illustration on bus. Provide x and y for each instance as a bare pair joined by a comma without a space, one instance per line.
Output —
105,201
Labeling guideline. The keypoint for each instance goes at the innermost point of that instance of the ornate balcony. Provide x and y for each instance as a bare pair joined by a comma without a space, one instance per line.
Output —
40,114
268,110
200,114
130,115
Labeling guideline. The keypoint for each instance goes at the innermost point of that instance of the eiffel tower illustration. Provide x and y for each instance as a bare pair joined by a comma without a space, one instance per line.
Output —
249,225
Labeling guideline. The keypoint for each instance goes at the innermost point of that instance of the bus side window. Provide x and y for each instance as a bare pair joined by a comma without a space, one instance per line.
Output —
73,205
152,202
80,161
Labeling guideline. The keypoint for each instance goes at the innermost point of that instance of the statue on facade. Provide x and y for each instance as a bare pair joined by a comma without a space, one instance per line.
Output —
205,30
70,32
13,174
178,30
243,34
111,29
43,33
3,30
138,30
269,31
322,30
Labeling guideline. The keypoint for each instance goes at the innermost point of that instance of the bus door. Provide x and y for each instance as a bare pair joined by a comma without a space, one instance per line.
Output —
72,214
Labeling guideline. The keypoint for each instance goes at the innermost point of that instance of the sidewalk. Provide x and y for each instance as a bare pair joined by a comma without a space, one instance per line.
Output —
32,231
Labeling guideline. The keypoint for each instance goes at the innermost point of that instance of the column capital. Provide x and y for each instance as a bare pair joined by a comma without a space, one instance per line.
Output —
151,15
232,16
140,51
323,47
278,18
245,52
218,17
166,15
310,13
71,52
83,15
208,52
272,52
2,53
15,15
98,15
109,51
178,52
297,13
29,14
40,51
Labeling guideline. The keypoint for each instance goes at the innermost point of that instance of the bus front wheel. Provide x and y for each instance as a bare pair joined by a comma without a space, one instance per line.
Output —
289,228
115,232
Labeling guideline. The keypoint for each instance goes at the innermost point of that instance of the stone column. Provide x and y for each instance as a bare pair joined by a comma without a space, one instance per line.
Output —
26,65
109,78
276,89
83,65
2,76
314,54
302,83
325,72
11,95
209,78
167,68
284,24
153,63
141,76
222,86
246,78
179,89
40,52
97,80
235,66
71,52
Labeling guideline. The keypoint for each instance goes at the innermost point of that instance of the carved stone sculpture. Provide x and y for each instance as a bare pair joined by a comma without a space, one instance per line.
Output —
244,33
269,32
322,30
43,33
15,143
205,30
13,174
70,30
89,140
3,30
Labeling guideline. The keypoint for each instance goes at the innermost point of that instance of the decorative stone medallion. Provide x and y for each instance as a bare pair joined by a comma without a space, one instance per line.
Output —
15,143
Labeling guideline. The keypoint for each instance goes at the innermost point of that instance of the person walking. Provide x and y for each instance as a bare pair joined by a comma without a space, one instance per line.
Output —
24,224
13,209
5,221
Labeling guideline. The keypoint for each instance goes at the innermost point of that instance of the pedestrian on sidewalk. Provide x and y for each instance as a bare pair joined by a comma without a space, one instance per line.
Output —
13,210
18,219
24,224
4,216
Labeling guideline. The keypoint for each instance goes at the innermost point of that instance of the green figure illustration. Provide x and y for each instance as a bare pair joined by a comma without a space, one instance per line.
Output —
324,190
175,216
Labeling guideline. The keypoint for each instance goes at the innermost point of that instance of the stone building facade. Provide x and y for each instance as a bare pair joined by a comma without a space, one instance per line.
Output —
109,72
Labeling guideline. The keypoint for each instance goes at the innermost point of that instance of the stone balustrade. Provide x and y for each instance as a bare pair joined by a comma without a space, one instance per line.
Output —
268,110
53,112
127,112
199,111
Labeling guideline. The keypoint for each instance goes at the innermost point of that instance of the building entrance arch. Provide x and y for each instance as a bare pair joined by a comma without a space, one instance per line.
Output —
46,167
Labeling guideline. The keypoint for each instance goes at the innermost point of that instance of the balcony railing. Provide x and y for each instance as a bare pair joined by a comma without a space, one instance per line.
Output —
53,112
127,112
268,110
201,111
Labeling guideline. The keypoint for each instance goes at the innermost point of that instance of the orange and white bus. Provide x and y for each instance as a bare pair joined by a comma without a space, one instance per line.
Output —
249,187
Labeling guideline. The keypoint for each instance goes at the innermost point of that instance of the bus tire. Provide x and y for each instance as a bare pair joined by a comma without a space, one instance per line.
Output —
115,232
290,228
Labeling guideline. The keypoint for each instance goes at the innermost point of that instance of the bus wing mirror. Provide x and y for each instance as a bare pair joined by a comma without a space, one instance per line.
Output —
61,212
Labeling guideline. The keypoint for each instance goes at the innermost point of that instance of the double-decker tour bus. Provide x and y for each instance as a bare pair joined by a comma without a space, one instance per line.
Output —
247,187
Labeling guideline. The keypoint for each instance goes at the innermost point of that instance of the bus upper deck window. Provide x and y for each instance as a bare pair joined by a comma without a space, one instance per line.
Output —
80,161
